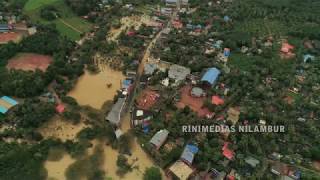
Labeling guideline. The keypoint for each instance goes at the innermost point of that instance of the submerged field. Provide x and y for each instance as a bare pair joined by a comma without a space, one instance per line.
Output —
68,24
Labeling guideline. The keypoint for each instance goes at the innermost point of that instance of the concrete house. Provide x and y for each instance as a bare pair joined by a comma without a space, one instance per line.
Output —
178,73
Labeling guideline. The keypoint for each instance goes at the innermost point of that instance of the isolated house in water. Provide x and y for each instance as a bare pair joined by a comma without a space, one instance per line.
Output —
211,76
159,138
114,116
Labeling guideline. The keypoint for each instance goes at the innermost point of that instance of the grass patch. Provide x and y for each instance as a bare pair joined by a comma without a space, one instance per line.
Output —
241,61
35,4
262,27
68,24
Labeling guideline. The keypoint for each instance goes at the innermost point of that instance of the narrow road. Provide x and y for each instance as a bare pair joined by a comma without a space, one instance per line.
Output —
146,55
67,24
151,45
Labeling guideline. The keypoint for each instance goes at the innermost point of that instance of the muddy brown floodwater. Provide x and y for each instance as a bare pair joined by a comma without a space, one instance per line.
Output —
56,169
92,89
60,129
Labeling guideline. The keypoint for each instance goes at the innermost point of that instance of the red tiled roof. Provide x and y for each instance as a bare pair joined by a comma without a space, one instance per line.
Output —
131,33
286,48
60,108
229,154
216,100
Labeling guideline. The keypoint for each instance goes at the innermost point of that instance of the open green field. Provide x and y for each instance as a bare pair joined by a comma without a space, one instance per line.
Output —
262,28
68,24
35,4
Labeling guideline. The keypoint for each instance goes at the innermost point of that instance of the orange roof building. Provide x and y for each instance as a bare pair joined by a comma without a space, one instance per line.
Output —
229,154
287,48
216,100
60,108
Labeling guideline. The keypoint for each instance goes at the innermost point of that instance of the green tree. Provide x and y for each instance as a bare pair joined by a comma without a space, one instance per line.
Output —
152,173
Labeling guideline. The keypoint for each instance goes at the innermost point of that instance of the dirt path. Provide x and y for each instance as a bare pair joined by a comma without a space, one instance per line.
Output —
70,26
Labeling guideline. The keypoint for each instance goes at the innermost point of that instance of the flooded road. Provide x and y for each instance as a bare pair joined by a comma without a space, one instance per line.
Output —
92,89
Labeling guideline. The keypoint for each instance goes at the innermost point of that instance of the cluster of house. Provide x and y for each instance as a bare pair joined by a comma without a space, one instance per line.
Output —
285,172
170,5
182,168
15,32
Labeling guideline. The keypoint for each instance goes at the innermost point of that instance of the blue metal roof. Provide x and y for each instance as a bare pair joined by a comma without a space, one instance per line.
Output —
9,100
188,153
3,110
211,75
4,26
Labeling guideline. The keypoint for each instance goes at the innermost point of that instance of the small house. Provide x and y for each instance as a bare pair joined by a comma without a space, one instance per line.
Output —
159,138
180,170
252,161
229,154
279,169
188,153
197,92
140,116
308,57
114,116
6,103
211,76
178,73
150,68
216,100
233,115
118,133
60,108
5,28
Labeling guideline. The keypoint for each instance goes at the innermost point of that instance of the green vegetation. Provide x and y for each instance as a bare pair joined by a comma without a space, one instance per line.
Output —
22,161
258,81
67,23
123,165
152,173
88,167
32,5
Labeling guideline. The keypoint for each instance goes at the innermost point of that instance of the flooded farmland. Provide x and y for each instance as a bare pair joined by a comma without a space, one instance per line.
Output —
60,129
93,90
139,160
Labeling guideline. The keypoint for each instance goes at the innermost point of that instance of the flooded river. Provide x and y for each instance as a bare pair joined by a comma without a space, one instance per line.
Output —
92,89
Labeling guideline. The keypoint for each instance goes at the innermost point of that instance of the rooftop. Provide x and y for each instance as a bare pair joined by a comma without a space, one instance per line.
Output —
188,153
114,116
181,170
178,72
159,138
211,75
